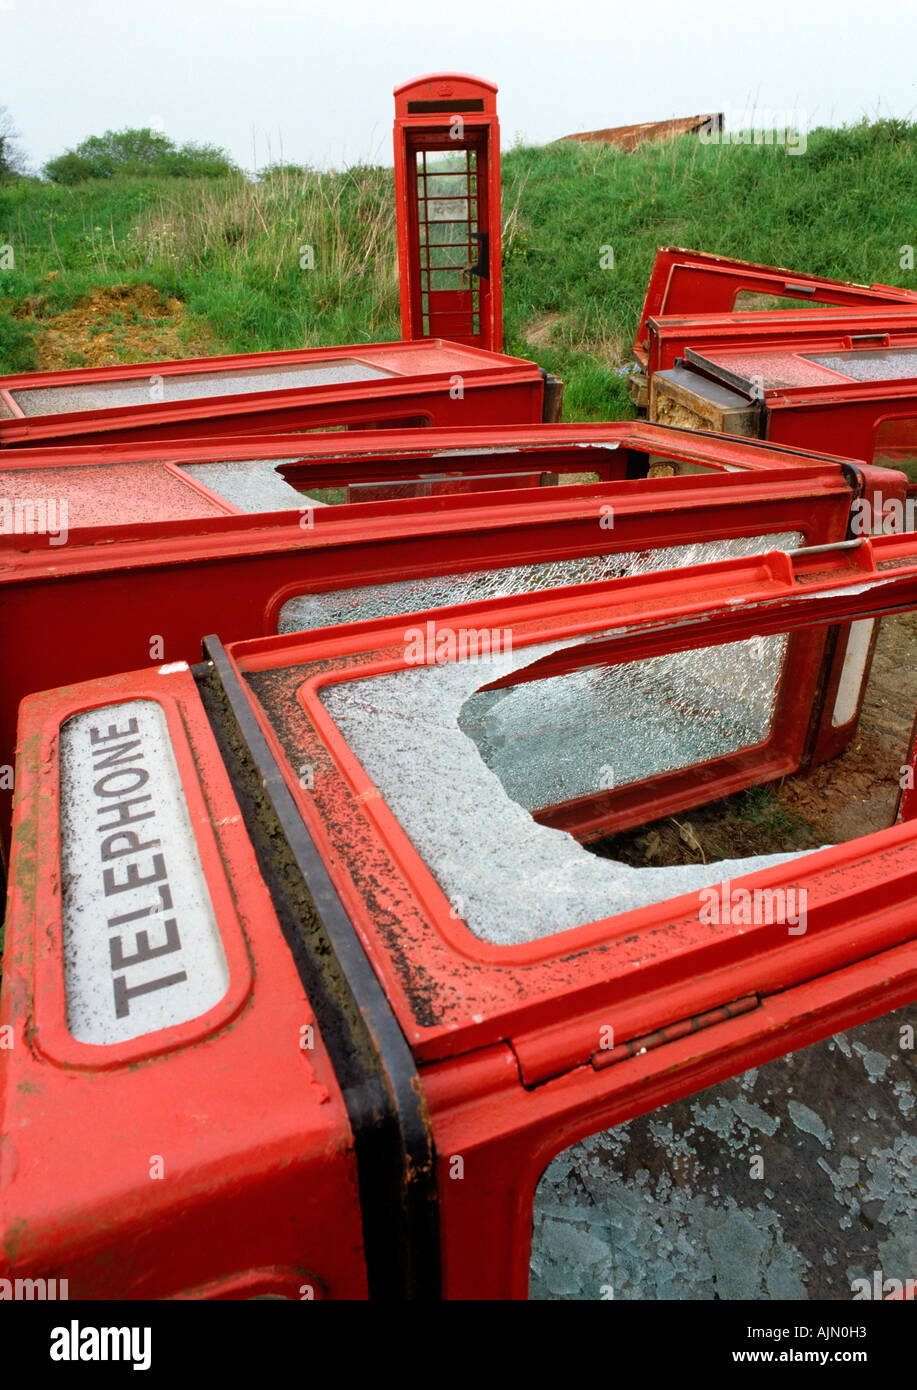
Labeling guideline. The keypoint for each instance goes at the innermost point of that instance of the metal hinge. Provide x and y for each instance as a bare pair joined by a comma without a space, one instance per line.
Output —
554,1052
634,1047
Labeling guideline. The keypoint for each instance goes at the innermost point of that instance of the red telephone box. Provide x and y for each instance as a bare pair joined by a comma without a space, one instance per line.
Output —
447,191
329,947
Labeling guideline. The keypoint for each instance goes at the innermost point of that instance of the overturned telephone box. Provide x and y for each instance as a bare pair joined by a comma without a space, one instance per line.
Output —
842,379
116,596
770,354
318,864
695,284
381,384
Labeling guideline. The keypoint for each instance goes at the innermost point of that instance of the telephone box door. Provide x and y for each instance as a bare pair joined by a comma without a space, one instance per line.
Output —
447,182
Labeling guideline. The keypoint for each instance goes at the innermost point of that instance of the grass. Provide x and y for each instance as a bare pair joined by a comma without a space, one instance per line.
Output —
763,808
231,250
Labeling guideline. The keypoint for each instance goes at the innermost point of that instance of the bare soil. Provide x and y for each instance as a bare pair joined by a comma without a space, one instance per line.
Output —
129,323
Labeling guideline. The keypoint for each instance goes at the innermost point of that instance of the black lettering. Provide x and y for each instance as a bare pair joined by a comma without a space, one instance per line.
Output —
100,787
132,844
164,905
134,877
119,961
122,818
113,756
96,737
124,995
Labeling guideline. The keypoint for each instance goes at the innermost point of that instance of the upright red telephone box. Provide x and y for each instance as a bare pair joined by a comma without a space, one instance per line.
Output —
447,188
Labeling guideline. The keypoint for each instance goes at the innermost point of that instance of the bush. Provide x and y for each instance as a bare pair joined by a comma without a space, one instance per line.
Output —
137,152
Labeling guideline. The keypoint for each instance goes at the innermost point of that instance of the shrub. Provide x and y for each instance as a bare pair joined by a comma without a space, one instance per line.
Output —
136,152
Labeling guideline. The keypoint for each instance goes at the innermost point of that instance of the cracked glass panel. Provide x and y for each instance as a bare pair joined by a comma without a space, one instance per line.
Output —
569,736
252,485
794,1180
441,590
509,878
154,389
892,364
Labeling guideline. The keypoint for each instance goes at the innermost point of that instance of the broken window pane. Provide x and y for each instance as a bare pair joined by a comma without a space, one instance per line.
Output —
440,590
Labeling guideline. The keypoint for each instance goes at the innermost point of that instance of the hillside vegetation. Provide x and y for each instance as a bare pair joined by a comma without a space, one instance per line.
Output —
110,268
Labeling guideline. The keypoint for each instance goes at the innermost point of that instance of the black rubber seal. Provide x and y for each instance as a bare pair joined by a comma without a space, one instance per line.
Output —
393,1142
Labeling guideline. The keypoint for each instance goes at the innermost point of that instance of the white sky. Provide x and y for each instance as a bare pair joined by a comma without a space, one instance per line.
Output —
316,76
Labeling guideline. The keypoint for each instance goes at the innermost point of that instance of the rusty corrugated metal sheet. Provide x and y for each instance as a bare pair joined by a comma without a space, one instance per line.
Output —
628,137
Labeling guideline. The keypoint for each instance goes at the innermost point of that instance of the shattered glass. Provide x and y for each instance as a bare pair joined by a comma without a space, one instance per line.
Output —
569,736
442,590
508,878
794,1180
253,485
894,364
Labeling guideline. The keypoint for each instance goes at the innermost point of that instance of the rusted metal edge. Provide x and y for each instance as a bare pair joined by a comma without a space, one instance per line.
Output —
672,1032
393,1143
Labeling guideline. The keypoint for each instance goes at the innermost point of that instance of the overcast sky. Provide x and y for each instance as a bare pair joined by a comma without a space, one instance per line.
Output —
316,76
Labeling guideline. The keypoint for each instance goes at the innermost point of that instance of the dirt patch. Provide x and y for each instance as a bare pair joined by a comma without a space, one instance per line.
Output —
853,794
114,323
568,332
540,330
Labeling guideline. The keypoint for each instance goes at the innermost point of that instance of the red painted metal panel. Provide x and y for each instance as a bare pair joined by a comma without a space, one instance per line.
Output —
614,452
508,1039
434,381
675,610
669,337
816,375
187,1183
697,283
859,413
